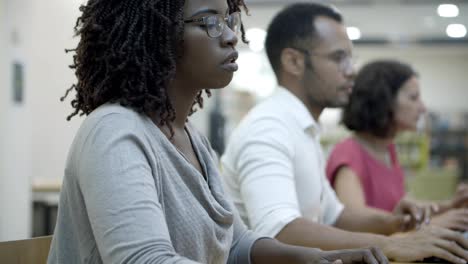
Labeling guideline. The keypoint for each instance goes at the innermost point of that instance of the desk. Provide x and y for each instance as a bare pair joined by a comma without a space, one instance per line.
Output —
391,262
26,251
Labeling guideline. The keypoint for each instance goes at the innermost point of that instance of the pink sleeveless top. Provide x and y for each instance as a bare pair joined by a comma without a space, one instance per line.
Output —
383,186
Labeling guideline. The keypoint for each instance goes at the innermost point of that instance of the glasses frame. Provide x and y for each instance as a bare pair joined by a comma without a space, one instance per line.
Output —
224,19
342,61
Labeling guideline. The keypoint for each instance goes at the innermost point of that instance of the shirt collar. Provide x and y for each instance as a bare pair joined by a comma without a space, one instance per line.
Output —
299,111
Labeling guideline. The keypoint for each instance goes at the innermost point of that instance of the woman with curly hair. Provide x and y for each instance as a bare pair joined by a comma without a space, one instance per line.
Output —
364,169
141,185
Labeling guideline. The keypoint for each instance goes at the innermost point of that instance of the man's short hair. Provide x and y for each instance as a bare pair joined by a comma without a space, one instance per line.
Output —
371,104
292,26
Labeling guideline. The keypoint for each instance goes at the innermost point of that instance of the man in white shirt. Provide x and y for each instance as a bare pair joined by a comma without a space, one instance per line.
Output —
274,165
275,150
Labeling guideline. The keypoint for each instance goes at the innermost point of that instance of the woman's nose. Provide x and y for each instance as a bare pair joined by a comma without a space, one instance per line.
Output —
229,37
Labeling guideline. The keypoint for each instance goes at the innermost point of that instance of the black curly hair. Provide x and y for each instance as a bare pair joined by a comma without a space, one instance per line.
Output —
127,53
370,107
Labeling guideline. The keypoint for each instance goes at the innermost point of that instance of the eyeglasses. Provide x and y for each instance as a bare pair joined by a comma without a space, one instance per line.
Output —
214,24
341,58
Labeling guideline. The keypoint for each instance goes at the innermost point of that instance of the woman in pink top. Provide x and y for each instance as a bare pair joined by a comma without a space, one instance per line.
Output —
364,169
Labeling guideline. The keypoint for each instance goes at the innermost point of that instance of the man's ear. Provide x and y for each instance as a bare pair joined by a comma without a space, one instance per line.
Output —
292,62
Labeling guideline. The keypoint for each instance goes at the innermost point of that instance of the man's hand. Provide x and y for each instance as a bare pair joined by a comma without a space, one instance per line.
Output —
368,255
429,241
271,251
456,219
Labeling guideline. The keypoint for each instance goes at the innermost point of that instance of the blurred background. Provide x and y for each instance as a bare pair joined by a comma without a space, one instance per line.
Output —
35,136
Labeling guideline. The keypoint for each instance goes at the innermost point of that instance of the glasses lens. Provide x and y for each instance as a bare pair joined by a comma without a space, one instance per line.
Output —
234,22
214,26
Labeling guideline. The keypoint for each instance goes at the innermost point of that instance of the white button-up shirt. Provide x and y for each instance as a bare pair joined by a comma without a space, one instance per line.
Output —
274,167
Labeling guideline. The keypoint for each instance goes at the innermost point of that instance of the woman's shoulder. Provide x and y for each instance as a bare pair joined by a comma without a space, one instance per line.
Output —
113,117
347,146
114,113
346,152
112,123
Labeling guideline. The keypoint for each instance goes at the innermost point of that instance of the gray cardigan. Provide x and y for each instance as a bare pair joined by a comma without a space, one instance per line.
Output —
129,196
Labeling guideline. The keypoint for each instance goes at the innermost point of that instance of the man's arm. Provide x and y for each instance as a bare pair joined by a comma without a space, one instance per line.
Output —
308,233
365,219
406,247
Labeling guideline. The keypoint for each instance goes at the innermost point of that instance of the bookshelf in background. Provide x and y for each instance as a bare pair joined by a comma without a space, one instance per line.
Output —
449,141
449,148
413,150
425,180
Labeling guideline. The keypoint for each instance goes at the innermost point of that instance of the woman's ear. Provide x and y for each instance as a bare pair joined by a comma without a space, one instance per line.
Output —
292,62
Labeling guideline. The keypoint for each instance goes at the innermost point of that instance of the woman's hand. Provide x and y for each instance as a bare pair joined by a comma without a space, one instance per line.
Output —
460,199
414,214
456,219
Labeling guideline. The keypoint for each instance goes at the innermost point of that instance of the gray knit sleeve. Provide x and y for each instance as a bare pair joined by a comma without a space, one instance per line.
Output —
115,178
243,242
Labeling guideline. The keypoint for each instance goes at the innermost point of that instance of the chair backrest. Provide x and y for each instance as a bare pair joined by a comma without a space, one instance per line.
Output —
27,251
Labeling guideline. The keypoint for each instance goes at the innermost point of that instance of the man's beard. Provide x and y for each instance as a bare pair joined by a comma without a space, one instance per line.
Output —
321,100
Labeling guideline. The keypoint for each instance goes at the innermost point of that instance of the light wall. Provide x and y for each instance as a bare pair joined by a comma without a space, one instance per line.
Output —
34,135
15,120
50,76
3,100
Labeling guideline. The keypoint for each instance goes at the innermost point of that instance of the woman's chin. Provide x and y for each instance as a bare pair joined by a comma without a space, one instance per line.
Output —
223,82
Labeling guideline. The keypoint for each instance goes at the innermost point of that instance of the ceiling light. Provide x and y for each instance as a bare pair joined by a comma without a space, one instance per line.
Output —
456,30
353,33
256,38
447,10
